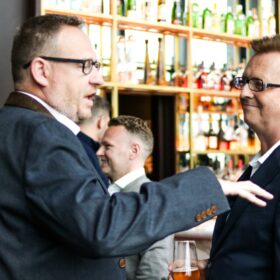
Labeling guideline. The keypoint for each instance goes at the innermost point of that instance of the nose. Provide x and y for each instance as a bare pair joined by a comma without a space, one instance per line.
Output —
96,77
100,151
246,92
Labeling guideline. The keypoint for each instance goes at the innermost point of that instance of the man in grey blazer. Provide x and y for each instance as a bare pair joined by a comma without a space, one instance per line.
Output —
57,220
131,142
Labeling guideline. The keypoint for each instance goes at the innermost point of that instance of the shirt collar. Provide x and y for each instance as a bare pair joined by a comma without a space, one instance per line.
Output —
259,159
130,177
57,115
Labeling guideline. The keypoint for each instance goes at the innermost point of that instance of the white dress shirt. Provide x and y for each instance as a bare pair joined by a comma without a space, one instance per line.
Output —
58,116
122,182
259,159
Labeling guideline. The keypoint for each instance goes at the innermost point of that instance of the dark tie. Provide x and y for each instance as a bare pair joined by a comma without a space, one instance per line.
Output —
221,221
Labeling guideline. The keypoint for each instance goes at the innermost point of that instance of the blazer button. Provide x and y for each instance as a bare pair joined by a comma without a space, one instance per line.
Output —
214,208
198,218
203,214
209,211
209,265
122,263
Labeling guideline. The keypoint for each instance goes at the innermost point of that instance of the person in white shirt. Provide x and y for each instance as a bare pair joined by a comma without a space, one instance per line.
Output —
126,145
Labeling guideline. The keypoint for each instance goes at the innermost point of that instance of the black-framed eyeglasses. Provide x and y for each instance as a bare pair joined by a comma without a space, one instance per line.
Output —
87,64
255,84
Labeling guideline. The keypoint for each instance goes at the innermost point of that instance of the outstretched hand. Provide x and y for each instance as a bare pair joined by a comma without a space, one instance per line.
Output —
246,190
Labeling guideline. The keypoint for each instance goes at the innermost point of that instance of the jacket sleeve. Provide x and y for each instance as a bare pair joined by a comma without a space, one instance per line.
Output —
66,199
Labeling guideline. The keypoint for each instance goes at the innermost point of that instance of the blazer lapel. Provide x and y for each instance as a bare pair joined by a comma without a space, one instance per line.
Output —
24,101
263,176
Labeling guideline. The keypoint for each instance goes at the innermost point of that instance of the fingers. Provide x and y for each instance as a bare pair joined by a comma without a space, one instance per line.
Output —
247,190
253,194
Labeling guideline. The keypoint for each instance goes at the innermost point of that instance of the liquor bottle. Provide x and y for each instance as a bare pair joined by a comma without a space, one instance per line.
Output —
222,23
212,137
215,19
130,48
131,8
251,139
160,71
229,21
121,8
223,144
200,143
147,10
250,26
161,15
201,79
147,67
177,13
207,19
256,23
195,15
271,25
224,81
122,63
239,22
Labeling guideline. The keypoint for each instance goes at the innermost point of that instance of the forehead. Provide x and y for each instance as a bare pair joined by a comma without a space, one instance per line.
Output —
116,133
74,43
264,66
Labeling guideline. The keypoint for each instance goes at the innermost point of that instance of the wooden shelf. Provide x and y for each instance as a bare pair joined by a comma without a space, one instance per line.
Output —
150,89
128,23
170,89
209,92
228,152
88,17
235,40
142,25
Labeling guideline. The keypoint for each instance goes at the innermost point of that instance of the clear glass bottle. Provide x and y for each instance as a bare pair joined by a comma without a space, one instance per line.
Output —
147,66
161,15
160,70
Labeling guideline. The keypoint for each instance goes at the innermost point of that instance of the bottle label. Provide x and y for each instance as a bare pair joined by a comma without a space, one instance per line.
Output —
212,142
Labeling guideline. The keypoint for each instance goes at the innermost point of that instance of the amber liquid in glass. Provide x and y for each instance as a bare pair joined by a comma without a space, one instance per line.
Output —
182,275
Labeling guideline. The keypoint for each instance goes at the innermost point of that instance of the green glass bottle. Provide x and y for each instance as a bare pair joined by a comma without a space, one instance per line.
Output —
240,22
250,24
130,8
195,15
207,18
121,8
177,13
229,22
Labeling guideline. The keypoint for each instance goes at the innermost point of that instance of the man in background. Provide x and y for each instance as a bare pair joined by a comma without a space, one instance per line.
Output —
126,145
92,131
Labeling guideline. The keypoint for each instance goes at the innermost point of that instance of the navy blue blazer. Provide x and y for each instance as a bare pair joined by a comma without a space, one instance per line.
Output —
247,245
91,148
57,220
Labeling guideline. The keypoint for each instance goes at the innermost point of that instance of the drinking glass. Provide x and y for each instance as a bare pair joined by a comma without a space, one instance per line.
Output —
185,261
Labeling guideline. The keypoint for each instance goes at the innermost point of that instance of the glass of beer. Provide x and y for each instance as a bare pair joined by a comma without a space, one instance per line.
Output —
185,261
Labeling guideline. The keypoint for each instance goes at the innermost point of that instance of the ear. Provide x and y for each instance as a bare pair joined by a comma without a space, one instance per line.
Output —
135,150
40,71
99,122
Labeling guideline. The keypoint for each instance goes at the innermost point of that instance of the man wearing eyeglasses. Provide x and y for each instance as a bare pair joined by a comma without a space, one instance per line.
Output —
57,220
246,243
